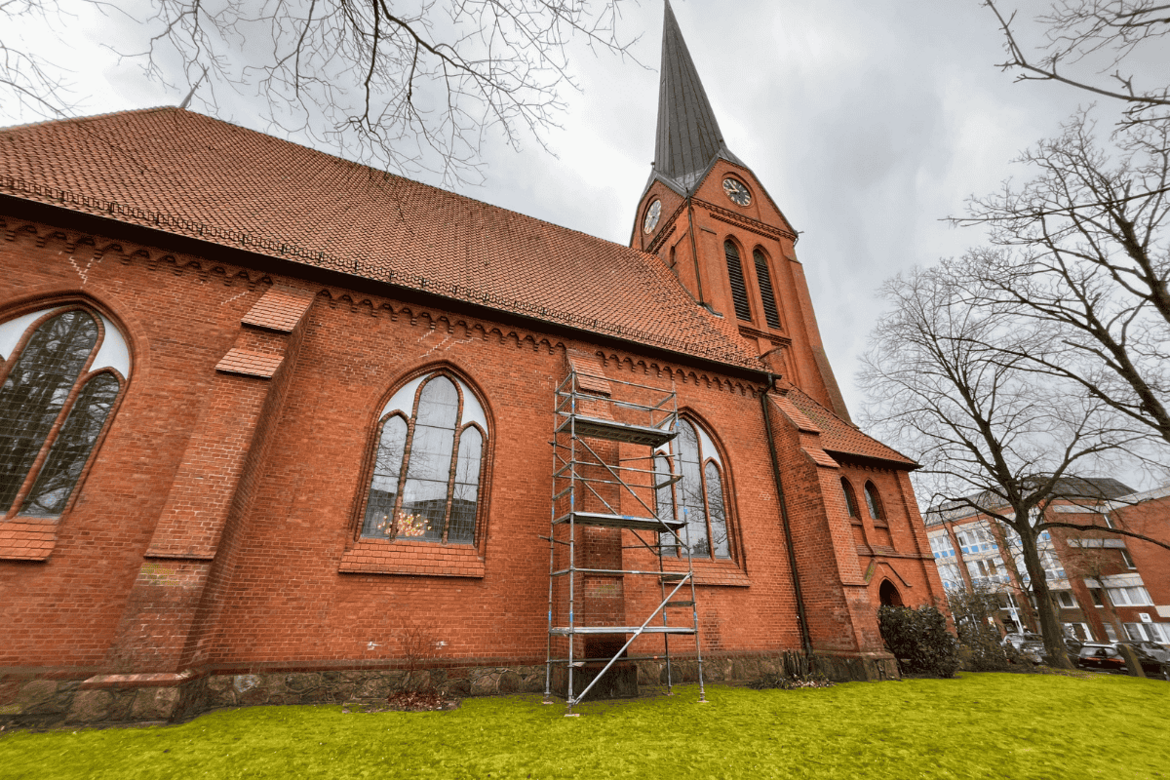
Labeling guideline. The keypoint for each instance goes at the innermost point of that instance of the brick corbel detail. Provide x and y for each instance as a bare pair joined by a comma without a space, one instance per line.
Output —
841,615
213,485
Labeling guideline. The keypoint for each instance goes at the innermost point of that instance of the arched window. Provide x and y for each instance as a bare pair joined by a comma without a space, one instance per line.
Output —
764,277
738,289
850,500
874,501
61,371
427,464
698,497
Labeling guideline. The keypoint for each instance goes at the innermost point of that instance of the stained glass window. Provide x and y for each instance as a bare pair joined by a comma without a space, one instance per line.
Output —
426,473
698,497
52,412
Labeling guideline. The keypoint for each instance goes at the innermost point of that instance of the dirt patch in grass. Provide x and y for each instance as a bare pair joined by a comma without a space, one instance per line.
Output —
406,701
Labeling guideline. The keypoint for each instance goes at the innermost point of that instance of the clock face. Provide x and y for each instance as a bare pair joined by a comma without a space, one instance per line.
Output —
737,192
652,215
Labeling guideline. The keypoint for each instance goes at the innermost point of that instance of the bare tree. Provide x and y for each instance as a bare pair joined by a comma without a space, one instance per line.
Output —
1081,253
954,385
1085,40
409,85
28,80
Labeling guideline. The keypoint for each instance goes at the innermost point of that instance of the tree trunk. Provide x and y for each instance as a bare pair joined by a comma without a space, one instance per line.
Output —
1050,627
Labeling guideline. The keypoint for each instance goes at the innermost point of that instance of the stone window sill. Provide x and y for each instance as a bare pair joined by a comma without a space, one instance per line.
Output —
425,559
27,539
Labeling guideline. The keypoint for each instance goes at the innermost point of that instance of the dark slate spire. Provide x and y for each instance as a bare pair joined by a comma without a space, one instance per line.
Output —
688,139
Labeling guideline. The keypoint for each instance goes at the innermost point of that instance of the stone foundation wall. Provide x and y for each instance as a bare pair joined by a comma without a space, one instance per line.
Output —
141,699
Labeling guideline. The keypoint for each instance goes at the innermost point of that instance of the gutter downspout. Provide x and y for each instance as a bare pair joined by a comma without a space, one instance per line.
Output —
805,639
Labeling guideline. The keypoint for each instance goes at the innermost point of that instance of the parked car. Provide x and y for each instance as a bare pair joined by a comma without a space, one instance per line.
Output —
1151,648
1015,640
1107,658
1033,651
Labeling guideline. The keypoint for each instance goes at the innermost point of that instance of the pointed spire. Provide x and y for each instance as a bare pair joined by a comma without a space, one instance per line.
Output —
688,138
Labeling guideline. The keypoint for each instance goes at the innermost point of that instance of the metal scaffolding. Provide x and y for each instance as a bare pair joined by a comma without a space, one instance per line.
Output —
599,468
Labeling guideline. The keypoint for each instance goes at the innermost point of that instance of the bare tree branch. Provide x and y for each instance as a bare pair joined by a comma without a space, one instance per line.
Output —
1081,254
30,81
1079,30
410,87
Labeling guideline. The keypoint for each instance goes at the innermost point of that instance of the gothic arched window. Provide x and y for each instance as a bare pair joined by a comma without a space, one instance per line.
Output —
61,371
874,501
767,294
739,294
850,500
698,497
427,463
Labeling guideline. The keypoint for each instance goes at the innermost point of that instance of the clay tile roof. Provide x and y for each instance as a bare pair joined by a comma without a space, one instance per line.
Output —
191,175
841,437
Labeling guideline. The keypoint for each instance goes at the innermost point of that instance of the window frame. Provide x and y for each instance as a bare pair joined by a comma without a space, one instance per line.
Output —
762,261
730,246
86,374
366,485
875,505
705,459
852,508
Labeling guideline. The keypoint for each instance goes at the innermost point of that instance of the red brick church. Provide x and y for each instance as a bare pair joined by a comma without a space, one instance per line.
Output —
275,427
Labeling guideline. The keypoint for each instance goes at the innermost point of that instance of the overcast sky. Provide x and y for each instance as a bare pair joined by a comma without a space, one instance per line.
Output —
868,122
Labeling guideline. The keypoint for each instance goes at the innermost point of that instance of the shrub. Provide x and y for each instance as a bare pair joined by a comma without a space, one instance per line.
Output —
919,639
978,634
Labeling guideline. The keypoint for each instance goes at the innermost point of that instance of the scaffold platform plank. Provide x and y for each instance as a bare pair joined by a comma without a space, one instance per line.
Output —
612,430
566,630
619,521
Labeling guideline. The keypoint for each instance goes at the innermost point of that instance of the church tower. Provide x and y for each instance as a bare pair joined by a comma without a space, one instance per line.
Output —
708,217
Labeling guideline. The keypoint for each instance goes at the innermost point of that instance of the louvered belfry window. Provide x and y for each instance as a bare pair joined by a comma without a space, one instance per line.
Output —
52,412
738,290
771,313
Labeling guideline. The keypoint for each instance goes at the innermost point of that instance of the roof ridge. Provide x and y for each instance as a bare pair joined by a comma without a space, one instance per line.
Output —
328,155
73,120
795,389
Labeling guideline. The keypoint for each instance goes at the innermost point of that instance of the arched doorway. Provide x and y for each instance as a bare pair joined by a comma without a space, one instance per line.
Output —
889,595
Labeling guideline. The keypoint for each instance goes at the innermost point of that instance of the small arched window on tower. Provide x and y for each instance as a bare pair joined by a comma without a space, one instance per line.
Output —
698,497
738,289
767,294
874,501
427,464
64,373
850,501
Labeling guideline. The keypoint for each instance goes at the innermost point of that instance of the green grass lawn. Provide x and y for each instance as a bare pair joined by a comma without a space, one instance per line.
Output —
977,726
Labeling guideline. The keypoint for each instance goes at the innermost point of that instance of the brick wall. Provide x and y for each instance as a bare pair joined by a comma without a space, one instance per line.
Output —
218,525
